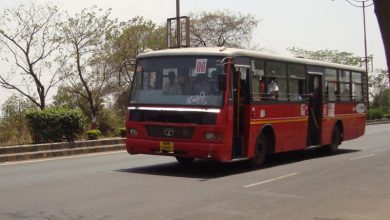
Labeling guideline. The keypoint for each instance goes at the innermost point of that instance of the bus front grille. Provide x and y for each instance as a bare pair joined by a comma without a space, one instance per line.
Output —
175,132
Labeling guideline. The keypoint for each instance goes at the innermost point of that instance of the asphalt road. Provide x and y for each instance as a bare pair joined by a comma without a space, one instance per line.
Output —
354,184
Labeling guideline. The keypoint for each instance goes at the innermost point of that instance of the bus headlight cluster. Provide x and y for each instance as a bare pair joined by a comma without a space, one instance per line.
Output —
210,136
133,132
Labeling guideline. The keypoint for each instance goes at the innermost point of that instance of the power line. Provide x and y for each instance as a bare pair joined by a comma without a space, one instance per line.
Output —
359,6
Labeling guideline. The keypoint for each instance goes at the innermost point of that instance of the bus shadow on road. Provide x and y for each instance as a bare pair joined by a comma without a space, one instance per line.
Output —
297,156
206,170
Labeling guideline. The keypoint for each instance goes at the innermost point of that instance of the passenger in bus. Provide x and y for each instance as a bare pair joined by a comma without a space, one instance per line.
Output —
273,89
185,83
345,96
172,87
261,88
202,85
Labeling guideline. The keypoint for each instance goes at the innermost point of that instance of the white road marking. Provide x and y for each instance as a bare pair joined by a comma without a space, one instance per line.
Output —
59,158
270,180
357,158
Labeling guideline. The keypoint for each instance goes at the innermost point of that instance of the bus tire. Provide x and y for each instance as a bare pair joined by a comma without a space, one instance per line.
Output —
260,153
185,160
333,147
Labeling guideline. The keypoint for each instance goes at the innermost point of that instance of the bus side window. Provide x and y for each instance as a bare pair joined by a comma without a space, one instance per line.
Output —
297,82
357,86
276,73
258,81
331,85
345,86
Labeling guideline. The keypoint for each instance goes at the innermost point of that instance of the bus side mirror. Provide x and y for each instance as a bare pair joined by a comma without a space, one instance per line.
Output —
222,82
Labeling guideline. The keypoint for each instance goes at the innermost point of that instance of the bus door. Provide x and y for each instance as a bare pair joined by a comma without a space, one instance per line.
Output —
315,109
241,105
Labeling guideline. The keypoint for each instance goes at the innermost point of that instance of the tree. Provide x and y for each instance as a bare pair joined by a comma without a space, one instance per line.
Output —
378,83
384,101
64,98
88,75
221,28
27,37
106,119
135,36
13,126
382,10
332,56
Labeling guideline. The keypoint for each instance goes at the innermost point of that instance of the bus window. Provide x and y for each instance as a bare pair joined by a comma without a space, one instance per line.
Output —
171,86
177,81
357,86
257,80
331,85
243,81
276,81
345,90
297,80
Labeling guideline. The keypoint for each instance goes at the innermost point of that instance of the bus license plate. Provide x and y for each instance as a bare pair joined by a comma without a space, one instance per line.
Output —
167,146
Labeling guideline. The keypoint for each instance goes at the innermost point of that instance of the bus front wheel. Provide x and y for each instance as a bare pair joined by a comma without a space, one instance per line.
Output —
260,153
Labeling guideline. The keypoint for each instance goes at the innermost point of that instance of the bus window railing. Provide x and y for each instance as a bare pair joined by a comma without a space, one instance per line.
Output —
264,97
345,98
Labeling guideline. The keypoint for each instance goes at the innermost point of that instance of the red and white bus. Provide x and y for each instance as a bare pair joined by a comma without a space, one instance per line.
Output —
231,104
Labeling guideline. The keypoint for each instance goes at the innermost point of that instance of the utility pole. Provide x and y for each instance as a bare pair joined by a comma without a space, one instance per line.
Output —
365,35
365,49
178,32
182,29
355,3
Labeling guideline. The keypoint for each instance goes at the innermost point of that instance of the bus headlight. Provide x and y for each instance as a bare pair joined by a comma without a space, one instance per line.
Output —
210,136
133,132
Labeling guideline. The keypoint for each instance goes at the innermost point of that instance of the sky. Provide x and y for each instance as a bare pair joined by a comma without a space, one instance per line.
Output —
308,24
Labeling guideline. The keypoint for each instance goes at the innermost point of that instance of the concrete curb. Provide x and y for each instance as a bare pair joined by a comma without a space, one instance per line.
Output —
378,122
39,151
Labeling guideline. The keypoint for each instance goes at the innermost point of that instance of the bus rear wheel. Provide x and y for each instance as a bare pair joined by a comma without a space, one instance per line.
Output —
333,147
260,153
185,160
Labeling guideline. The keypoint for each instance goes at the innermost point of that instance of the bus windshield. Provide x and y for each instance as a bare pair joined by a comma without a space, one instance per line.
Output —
179,81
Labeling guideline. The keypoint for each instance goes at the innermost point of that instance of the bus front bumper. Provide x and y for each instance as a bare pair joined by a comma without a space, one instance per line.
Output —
200,150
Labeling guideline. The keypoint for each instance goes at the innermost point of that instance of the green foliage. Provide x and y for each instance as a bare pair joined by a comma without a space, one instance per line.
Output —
107,121
55,124
87,36
93,134
332,56
64,98
134,37
375,113
382,100
13,125
221,28
378,82
120,132
137,35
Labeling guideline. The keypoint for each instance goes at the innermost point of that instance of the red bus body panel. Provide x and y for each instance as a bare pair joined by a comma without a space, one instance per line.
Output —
353,123
289,122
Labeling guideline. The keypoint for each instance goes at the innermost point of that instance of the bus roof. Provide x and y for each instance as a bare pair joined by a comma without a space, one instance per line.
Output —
233,52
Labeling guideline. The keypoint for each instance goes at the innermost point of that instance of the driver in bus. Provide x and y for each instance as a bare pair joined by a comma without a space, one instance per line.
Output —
171,87
202,85
184,82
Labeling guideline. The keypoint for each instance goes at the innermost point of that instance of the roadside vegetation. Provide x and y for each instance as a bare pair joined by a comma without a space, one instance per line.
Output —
83,61
71,73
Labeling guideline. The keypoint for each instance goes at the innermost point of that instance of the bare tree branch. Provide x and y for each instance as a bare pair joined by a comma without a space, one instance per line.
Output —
26,32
